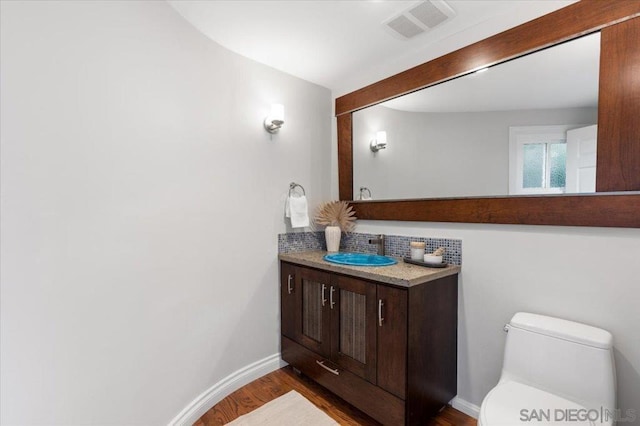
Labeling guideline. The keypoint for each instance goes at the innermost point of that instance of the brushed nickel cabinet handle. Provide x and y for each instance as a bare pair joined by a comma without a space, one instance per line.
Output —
380,305
324,299
331,302
289,286
331,370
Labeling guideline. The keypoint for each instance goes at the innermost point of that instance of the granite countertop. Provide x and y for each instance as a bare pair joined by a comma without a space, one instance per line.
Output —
401,274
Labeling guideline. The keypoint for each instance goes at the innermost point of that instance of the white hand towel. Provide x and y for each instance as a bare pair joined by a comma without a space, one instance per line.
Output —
287,208
298,211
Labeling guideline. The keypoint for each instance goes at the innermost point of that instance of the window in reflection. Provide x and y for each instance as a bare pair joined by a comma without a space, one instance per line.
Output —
545,166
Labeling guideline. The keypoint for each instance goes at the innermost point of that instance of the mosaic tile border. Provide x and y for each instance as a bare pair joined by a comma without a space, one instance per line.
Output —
395,245
398,246
301,241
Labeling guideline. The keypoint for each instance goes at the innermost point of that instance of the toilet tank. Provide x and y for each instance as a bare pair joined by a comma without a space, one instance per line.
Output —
567,358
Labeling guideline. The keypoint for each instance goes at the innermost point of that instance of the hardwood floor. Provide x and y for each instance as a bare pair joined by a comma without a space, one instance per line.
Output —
281,381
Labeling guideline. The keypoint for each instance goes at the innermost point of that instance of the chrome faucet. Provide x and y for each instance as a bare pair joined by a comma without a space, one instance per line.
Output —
380,242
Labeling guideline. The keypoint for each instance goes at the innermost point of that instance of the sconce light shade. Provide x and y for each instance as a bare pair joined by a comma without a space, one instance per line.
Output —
275,119
380,141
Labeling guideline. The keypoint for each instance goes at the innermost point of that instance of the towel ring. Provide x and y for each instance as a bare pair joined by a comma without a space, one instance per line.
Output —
293,186
362,189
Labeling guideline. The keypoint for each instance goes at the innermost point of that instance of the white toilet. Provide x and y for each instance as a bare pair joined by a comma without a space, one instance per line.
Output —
555,372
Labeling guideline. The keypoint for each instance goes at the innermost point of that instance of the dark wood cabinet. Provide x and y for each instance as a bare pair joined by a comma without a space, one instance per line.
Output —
289,311
313,329
353,337
390,351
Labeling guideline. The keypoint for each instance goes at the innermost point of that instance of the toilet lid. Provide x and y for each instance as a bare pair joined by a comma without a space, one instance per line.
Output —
513,403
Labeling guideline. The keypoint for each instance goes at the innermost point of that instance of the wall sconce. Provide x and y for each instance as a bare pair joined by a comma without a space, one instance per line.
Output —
380,141
275,119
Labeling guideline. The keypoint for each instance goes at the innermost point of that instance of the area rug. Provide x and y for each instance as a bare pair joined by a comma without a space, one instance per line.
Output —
291,409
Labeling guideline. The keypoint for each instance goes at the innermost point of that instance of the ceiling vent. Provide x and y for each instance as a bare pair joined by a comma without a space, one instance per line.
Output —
419,18
404,26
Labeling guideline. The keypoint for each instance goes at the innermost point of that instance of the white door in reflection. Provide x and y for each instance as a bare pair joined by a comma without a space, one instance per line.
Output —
581,159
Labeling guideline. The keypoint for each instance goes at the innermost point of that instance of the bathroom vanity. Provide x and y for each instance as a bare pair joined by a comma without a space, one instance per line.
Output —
382,338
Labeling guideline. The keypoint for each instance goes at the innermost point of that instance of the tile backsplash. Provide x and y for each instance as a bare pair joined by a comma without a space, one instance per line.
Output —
301,241
395,245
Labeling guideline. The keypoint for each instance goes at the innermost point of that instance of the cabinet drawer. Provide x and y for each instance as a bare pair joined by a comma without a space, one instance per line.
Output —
377,403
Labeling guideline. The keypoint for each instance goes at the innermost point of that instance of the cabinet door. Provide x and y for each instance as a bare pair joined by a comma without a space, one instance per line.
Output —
392,340
353,324
314,327
290,293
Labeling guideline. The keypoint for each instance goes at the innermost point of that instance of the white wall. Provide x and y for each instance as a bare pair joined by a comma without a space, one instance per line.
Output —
141,198
443,154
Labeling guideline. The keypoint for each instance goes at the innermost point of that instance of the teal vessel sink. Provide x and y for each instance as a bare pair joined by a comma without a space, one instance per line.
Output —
360,259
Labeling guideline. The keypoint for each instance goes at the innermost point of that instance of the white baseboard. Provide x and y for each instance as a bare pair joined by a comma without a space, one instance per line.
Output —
466,407
224,387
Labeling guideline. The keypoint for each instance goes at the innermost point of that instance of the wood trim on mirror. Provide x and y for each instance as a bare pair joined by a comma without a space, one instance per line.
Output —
618,166
613,210
345,156
618,156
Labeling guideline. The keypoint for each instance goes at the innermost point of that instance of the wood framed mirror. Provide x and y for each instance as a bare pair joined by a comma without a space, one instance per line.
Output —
616,202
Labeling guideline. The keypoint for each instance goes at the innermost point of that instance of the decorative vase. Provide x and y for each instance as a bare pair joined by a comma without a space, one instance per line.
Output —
332,235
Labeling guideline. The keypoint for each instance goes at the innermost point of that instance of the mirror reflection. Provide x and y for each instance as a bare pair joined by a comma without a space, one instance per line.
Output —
527,126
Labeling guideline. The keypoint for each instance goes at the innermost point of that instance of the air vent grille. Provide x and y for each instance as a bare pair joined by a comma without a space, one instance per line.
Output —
405,27
419,18
428,14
